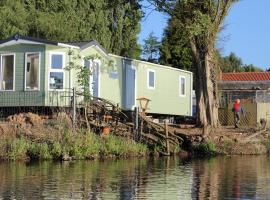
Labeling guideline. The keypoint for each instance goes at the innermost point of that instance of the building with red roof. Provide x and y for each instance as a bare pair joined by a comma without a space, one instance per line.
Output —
252,88
246,76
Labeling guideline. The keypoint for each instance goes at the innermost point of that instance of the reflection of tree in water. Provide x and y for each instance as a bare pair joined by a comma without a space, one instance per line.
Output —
82,179
120,179
163,178
133,181
228,177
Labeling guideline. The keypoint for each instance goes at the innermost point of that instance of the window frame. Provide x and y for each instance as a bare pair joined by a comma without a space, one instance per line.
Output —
180,86
25,69
1,68
148,79
56,70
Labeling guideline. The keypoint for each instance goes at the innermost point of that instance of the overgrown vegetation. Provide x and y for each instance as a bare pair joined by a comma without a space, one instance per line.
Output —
266,143
67,145
206,149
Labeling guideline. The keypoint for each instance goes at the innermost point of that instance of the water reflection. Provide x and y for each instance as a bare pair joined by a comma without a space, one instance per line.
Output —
237,177
166,178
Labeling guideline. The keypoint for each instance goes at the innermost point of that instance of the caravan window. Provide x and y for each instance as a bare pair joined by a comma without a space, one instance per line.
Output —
56,80
56,74
182,86
7,72
151,79
32,67
57,61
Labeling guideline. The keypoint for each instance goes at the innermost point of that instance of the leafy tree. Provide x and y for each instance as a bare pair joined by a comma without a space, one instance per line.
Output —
175,49
10,23
201,21
251,68
115,24
232,63
151,47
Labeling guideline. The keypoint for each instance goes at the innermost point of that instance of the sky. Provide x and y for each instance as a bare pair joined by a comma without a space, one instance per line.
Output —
246,31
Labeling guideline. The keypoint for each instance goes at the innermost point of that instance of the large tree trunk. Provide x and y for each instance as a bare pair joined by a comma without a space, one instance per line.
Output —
206,87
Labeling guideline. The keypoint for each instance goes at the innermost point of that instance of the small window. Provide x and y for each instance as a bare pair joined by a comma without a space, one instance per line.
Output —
151,79
56,80
7,72
182,86
57,61
32,71
56,73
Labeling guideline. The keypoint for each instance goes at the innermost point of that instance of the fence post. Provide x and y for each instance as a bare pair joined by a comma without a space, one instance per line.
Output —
74,107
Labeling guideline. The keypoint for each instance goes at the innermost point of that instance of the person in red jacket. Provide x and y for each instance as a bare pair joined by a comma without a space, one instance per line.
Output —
237,108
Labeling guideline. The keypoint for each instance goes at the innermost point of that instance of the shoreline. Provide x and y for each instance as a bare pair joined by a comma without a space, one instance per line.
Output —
29,137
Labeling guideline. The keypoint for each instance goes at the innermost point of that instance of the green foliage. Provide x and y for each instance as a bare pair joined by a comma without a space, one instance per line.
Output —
266,143
208,148
83,72
115,24
39,151
150,50
251,68
16,149
175,49
232,63
80,145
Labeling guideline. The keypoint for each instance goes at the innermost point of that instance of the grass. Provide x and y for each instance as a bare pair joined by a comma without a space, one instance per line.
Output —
206,149
266,143
80,145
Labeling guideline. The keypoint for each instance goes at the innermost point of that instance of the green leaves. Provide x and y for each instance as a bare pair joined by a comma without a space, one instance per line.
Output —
114,25
151,47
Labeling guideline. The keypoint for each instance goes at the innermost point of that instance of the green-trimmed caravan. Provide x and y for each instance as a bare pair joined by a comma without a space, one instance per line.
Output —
33,72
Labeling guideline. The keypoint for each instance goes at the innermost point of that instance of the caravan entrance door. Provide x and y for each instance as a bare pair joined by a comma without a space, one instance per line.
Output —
94,77
130,87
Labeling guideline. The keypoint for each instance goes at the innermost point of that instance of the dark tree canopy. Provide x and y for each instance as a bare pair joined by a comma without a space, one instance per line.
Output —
115,24
150,50
175,49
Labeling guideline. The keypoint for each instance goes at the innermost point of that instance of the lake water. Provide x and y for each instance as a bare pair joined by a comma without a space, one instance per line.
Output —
236,177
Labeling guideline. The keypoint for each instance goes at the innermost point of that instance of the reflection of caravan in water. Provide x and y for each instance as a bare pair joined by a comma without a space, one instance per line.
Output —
32,69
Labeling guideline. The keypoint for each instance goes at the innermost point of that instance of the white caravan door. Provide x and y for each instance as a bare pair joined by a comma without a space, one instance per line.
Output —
95,79
88,64
130,87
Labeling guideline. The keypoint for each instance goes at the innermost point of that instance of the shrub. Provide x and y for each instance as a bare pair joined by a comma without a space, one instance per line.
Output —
208,148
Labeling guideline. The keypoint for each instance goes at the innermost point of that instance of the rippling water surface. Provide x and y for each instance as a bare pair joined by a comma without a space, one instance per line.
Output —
246,177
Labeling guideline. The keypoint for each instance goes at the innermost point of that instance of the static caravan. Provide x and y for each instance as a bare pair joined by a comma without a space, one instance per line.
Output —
34,72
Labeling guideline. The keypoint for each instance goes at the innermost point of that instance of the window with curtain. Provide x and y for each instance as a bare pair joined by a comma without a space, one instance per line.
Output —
7,72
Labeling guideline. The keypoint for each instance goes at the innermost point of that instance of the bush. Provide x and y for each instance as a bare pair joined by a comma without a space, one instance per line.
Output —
208,148
16,149
40,151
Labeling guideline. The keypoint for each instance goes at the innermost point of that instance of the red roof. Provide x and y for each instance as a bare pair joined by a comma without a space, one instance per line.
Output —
246,76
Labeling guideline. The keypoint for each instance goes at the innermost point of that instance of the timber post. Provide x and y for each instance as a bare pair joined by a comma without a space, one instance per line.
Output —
167,138
74,107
